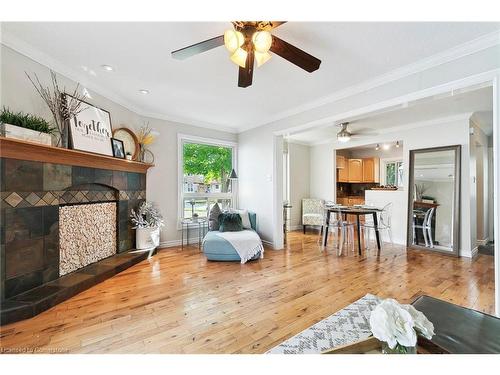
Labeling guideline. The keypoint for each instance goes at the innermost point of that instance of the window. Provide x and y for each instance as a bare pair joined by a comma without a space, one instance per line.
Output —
394,173
204,170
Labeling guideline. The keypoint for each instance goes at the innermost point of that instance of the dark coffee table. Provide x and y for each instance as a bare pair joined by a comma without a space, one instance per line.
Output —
459,330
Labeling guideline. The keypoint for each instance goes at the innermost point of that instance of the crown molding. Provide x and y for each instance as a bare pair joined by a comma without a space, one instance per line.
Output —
454,53
26,49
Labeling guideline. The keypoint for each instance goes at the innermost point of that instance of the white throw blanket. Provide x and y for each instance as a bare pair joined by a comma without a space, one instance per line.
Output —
247,243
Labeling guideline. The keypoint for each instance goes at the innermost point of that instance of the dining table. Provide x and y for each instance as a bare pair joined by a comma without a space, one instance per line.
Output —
357,211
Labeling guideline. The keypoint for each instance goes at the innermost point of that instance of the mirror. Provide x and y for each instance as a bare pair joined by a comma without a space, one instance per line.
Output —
434,199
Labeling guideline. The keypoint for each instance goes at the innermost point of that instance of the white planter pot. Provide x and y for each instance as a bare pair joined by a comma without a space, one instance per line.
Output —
147,238
16,132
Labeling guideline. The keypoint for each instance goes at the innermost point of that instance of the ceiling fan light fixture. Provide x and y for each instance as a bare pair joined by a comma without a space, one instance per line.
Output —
262,41
343,138
233,40
262,57
239,57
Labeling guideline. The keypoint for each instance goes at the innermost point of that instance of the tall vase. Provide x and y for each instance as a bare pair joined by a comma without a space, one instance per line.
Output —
147,238
64,135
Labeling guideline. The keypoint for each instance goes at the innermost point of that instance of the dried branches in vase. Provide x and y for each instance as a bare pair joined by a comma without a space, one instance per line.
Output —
62,106
145,138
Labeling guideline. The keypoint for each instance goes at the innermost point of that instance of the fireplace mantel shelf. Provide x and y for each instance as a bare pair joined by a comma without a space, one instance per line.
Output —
23,150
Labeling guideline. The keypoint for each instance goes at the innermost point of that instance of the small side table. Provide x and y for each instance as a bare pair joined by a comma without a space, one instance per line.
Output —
201,224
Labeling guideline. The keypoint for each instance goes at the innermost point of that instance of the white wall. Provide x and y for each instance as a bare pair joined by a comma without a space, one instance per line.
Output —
379,198
255,180
299,157
18,94
480,207
322,162
491,218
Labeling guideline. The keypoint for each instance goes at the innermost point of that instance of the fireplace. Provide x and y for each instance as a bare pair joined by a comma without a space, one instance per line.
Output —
64,223
87,234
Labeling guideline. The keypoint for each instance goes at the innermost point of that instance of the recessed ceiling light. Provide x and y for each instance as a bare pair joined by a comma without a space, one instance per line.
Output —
386,146
108,68
144,91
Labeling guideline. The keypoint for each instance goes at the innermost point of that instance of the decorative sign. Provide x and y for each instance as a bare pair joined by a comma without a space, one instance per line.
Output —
91,130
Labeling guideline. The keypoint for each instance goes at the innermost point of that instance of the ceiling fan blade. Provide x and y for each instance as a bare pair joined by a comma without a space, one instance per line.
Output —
197,48
245,74
295,55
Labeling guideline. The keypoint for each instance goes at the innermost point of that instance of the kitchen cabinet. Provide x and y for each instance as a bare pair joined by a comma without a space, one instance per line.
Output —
343,174
341,162
371,170
355,170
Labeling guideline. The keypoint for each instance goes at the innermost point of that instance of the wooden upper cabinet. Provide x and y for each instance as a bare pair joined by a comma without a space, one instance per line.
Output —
341,164
371,170
343,174
355,170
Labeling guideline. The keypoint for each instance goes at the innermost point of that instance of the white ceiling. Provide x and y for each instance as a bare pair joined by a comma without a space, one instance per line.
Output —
479,101
203,89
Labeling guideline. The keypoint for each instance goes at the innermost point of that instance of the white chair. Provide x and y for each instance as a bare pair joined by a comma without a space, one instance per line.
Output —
340,228
426,227
384,224
312,212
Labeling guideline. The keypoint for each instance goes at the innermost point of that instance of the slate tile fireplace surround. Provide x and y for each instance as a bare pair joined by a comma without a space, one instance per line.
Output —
31,194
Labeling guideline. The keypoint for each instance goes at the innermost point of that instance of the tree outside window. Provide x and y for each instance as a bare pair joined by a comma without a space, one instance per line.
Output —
394,173
206,170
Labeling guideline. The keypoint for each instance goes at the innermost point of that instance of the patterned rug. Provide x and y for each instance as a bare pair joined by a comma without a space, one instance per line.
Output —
346,326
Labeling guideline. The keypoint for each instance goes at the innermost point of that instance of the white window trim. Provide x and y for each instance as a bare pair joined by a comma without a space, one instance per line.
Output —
383,163
181,139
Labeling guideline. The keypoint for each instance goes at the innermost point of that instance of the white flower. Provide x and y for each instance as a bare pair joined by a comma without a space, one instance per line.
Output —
391,323
422,325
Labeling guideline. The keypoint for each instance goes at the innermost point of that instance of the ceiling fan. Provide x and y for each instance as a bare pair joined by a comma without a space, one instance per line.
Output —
251,41
344,135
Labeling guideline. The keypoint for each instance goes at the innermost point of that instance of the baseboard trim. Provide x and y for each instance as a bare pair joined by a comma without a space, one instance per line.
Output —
268,243
173,243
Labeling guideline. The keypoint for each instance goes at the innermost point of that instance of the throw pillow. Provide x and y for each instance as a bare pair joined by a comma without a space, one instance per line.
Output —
213,217
245,218
230,222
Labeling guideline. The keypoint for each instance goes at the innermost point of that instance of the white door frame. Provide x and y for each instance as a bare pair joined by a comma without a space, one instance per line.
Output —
496,187
489,78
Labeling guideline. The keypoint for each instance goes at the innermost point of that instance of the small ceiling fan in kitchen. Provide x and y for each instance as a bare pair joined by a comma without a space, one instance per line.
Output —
249,42
345,135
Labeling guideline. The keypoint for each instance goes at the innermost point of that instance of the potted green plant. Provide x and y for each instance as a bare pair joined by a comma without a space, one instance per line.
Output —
25,126
147,222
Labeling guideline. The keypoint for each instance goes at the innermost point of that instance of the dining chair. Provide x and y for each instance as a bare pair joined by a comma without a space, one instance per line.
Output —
426,227
384,224
340,228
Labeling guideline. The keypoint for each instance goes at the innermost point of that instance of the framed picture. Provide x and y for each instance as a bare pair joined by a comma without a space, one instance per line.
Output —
90,130
118,148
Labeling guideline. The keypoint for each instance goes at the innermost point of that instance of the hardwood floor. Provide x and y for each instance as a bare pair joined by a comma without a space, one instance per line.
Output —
178,302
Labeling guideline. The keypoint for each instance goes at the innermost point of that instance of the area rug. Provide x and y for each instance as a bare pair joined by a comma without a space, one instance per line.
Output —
346,326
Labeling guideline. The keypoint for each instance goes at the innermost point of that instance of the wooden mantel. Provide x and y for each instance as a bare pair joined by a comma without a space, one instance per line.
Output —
23,150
